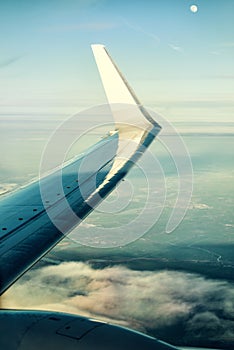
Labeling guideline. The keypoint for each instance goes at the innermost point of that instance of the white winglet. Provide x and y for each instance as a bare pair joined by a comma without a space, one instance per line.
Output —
135,127
119,94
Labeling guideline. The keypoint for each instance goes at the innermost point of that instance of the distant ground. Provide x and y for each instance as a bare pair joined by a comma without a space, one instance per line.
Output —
177,287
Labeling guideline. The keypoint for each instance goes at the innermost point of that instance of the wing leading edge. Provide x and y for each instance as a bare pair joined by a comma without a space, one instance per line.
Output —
34,218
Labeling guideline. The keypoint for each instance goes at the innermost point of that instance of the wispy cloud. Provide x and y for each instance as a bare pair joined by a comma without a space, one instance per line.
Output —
89,26
6,62
202,309
228,44
176,48
139,29
215,53
150,35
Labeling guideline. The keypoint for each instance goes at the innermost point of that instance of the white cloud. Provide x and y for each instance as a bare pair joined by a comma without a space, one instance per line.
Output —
201,206
176,48
140,299
86,225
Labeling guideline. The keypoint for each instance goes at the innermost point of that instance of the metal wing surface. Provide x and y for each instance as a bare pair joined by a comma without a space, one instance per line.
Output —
36,217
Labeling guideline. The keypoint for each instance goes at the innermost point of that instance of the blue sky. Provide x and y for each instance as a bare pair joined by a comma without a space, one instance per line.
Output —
177,61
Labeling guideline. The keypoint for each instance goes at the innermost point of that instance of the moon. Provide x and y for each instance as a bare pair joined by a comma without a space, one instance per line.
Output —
193,8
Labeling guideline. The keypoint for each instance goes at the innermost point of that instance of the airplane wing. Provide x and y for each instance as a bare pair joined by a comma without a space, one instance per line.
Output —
36,217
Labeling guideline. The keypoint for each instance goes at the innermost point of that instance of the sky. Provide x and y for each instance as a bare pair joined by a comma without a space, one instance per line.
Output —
179,63
176,60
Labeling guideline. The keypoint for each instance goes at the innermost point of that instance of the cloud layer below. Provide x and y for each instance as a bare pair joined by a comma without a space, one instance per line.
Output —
201,309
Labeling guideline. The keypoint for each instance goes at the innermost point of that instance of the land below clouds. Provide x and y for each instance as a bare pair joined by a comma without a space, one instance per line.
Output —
211,261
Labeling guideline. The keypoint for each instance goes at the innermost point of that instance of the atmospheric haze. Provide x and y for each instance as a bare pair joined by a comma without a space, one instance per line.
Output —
178,287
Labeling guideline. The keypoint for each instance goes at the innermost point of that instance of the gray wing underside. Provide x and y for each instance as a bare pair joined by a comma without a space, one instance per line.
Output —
35,218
